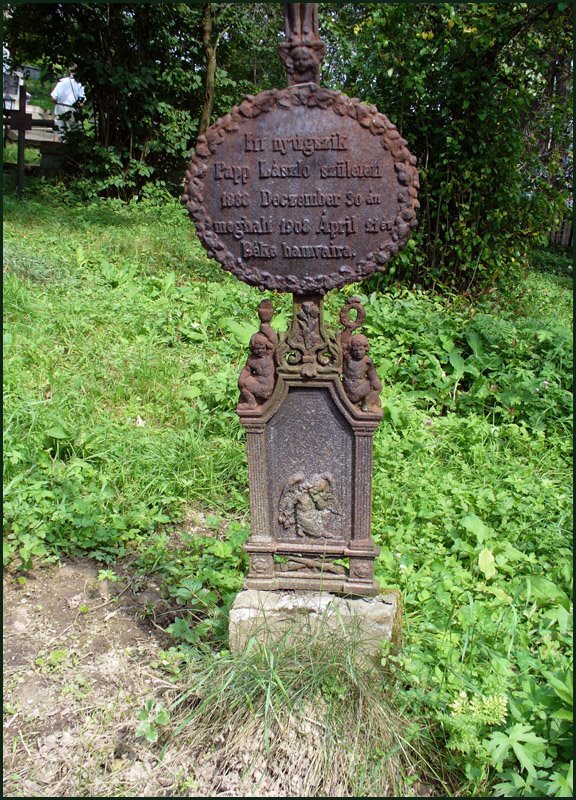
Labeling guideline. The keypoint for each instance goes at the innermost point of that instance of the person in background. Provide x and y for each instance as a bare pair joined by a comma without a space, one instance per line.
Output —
68,95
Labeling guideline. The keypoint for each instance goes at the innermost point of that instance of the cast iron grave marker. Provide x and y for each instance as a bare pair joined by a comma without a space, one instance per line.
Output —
304,190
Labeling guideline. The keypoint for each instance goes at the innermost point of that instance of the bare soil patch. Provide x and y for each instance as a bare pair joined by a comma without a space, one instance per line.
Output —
80,660
82,657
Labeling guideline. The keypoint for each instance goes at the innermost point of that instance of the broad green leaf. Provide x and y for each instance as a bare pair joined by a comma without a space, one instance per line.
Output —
458,363
147,730
486,563
475,525
563,713
511,553
545,592
221,549
499,747
242,332
192,335
524,757
56,432
563,688
527,747
562,785
524,733
498,593
188,588
475,342
563,618
180,629
192,392
512,787
447,342
393,413
162,717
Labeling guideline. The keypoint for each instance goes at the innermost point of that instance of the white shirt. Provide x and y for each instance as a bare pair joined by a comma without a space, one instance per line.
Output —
67,91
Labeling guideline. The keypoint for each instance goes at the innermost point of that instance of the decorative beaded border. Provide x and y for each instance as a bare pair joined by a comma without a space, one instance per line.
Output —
309,96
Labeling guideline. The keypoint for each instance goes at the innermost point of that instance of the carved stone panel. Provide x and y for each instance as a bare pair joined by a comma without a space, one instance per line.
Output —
302,190
310,455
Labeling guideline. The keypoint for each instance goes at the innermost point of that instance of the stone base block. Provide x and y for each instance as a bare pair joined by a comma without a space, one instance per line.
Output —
271,617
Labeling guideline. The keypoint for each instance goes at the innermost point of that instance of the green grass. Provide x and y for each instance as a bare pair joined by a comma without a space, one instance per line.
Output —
312,711
31,154
122,349
106,383
40,93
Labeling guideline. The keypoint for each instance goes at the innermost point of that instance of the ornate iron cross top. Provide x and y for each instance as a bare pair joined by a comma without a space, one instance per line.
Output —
303,51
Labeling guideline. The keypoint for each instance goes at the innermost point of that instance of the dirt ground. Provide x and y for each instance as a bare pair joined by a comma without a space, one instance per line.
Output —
81,659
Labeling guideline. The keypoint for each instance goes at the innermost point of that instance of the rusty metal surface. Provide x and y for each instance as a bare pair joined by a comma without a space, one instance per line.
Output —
309,456
302,190
301,23
307,349
310,468
302,52
311,452
359,377
258,377
309,346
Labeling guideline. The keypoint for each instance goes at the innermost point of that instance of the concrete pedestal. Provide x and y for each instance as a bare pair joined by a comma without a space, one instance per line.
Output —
271,617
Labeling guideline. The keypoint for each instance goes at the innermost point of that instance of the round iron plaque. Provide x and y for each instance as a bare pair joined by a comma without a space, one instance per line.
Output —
302,190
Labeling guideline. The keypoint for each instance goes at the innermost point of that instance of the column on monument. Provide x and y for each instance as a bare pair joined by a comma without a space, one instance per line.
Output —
362,488
257,467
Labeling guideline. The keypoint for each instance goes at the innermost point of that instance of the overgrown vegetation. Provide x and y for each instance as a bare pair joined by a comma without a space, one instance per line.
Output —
31,154
481,91
39,91
311,712
122,350
143,68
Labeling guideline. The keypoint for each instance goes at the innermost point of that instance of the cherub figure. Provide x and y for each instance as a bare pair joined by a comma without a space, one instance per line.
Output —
302,65
307,506
256,381
360,381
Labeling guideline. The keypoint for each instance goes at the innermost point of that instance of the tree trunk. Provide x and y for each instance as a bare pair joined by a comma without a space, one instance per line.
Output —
210,81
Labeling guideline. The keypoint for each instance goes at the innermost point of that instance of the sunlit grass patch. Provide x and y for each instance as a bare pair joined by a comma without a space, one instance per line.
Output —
31,154
122,349
307,718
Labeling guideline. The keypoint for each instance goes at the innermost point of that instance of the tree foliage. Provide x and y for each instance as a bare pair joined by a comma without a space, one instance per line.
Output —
143,66
481,92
